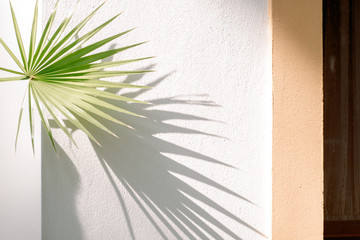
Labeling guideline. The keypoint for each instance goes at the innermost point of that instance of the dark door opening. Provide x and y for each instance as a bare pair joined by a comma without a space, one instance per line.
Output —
341,38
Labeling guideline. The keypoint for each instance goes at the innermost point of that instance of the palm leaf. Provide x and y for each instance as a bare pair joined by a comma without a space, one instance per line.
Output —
11,71
73,45
51,109
64,80
85,60
72,33
94,83
33,34
44,120
31,119
44,36
8,79
16,60
18,38
97,66
20,116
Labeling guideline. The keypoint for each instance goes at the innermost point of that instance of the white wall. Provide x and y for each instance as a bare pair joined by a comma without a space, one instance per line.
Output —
20,197
199,166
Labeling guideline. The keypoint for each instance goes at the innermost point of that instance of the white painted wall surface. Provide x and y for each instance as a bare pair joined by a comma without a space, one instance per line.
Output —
20,175
199,166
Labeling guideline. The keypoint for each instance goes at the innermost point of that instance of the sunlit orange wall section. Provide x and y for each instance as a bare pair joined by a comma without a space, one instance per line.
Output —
297,119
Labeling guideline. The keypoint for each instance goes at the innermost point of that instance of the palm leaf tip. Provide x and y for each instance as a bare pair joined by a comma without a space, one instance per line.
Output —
64,80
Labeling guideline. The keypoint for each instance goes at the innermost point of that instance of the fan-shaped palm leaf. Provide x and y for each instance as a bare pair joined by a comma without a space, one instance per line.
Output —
63,79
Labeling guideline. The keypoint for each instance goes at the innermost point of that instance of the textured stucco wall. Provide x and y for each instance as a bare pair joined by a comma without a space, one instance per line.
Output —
298,120
20,196
199,166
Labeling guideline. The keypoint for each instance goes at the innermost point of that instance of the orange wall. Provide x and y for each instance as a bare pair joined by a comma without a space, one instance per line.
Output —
298,119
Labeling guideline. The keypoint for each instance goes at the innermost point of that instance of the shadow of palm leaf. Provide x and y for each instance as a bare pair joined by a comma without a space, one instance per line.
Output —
59,219
139,161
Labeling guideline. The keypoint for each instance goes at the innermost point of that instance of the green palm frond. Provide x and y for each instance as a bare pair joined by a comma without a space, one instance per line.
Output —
63,77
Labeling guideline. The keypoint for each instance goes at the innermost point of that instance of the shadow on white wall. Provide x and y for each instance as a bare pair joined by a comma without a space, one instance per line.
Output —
139,162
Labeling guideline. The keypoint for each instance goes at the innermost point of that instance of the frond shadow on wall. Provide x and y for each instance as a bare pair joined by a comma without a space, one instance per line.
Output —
139,162
59,219
148,174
